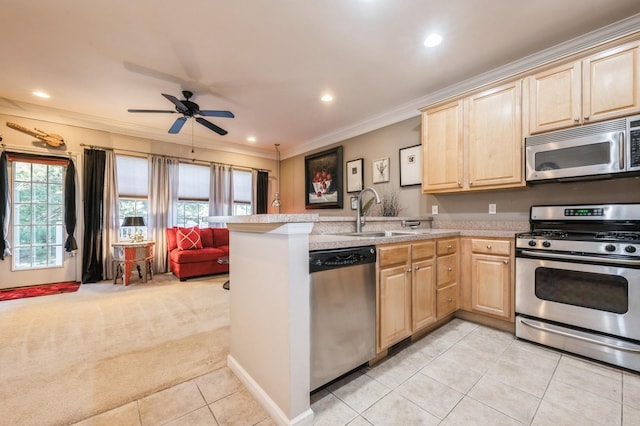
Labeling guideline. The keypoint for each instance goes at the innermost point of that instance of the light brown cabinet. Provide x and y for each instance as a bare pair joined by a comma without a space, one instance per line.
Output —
447,275
599,87
406,291
474,143
488,277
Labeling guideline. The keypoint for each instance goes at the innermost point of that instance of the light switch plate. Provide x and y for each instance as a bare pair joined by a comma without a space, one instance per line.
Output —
492,209
434,209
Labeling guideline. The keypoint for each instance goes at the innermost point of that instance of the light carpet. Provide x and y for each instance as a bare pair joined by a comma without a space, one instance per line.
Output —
67,357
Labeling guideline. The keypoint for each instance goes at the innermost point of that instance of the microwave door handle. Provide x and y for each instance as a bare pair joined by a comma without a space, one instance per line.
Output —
621,156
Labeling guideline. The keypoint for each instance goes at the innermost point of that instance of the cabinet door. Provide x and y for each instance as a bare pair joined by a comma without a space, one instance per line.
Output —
490,285
442,143
555,98
394,320
447,300
611,83
494,138
423,281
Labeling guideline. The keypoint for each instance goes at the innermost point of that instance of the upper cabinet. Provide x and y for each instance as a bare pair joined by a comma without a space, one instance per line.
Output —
599,87
474,143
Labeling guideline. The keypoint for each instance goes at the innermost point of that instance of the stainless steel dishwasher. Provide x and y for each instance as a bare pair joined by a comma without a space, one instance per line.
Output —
343,311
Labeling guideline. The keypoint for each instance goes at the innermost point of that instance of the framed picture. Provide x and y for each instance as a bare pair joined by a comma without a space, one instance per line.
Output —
411,165
355,177
381,170
323,179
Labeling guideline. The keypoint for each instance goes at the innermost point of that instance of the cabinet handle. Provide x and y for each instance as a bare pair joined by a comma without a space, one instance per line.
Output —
489,246
449,247
417,268
470,183
586,117
506,262
409,270
576,120
459,183
450,300
449,269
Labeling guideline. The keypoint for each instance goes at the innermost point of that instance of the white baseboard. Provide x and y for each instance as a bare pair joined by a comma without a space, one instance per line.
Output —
304,419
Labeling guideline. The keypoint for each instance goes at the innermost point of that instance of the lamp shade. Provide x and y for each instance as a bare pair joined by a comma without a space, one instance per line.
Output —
133,221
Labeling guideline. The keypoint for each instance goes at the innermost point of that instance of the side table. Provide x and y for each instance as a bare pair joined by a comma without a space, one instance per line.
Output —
126,255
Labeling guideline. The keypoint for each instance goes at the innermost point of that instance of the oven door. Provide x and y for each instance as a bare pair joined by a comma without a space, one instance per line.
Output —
604,298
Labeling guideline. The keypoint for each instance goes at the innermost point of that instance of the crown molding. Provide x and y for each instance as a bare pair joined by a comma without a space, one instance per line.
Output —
411,109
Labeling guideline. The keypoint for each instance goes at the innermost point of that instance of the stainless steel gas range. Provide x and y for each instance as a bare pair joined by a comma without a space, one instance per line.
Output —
578,281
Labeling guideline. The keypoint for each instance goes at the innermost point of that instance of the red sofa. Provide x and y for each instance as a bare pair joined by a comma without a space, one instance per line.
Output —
196,262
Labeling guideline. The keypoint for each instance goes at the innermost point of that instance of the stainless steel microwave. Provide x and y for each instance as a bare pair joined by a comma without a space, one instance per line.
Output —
593,151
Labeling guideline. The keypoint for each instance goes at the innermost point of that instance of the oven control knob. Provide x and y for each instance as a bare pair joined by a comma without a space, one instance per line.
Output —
546,243
630,249
610,247
532,243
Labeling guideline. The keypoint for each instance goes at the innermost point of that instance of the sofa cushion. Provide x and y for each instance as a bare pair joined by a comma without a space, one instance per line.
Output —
206,235
207,254
189,238
220,237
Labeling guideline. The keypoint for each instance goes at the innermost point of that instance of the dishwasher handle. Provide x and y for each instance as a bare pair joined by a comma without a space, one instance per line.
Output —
324,260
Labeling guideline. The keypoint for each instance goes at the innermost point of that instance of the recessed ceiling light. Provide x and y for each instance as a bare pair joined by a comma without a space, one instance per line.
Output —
41,94
433,40
326,98
251,139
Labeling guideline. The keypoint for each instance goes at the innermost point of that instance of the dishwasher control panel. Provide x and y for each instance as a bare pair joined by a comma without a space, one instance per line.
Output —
322,260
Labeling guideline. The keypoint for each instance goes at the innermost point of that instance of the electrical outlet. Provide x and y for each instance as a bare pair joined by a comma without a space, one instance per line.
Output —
434,209
492,209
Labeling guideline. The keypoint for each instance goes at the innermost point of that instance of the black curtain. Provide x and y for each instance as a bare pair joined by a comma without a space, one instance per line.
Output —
70,207
94,163
4,198
262,192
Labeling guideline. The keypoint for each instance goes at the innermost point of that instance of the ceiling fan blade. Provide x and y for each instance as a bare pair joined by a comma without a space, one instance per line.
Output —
211,126
179,105
210,113
151,110
178,125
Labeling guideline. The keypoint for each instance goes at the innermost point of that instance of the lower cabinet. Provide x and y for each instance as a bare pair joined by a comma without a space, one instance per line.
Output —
406,291
447,276
488,277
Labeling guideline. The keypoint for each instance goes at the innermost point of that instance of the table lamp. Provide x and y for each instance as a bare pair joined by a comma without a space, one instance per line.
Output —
134,221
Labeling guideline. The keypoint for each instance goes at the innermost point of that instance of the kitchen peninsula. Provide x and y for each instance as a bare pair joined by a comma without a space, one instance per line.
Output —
269,307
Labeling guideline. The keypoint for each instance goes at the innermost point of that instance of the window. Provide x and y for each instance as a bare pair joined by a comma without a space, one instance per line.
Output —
133,190
193,195
242,190
38,215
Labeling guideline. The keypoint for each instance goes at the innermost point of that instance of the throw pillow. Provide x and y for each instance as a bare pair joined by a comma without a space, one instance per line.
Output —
189,238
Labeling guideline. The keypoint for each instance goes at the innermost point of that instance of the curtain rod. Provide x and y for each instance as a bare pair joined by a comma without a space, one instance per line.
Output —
193,160
37,150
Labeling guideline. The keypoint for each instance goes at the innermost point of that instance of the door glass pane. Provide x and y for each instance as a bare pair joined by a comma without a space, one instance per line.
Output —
603,292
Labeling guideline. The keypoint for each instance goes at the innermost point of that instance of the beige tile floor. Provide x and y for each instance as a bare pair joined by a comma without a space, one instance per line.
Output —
461,374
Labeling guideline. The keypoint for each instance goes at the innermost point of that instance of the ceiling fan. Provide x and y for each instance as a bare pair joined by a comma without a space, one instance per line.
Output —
189,109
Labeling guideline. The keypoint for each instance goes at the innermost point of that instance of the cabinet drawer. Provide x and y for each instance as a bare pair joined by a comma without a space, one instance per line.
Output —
446,300
423,250
447,269
448,246
393,255
499,247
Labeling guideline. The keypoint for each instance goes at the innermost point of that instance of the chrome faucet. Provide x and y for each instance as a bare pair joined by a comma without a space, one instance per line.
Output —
360,217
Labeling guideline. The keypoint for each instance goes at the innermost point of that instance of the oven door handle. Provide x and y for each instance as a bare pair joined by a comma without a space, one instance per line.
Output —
551,329
537,254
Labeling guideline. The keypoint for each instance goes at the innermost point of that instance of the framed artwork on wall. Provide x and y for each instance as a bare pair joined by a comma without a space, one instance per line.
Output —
381,170
411,165
323,179
355,176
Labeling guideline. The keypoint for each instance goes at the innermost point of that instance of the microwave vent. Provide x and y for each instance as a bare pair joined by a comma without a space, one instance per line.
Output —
578,132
